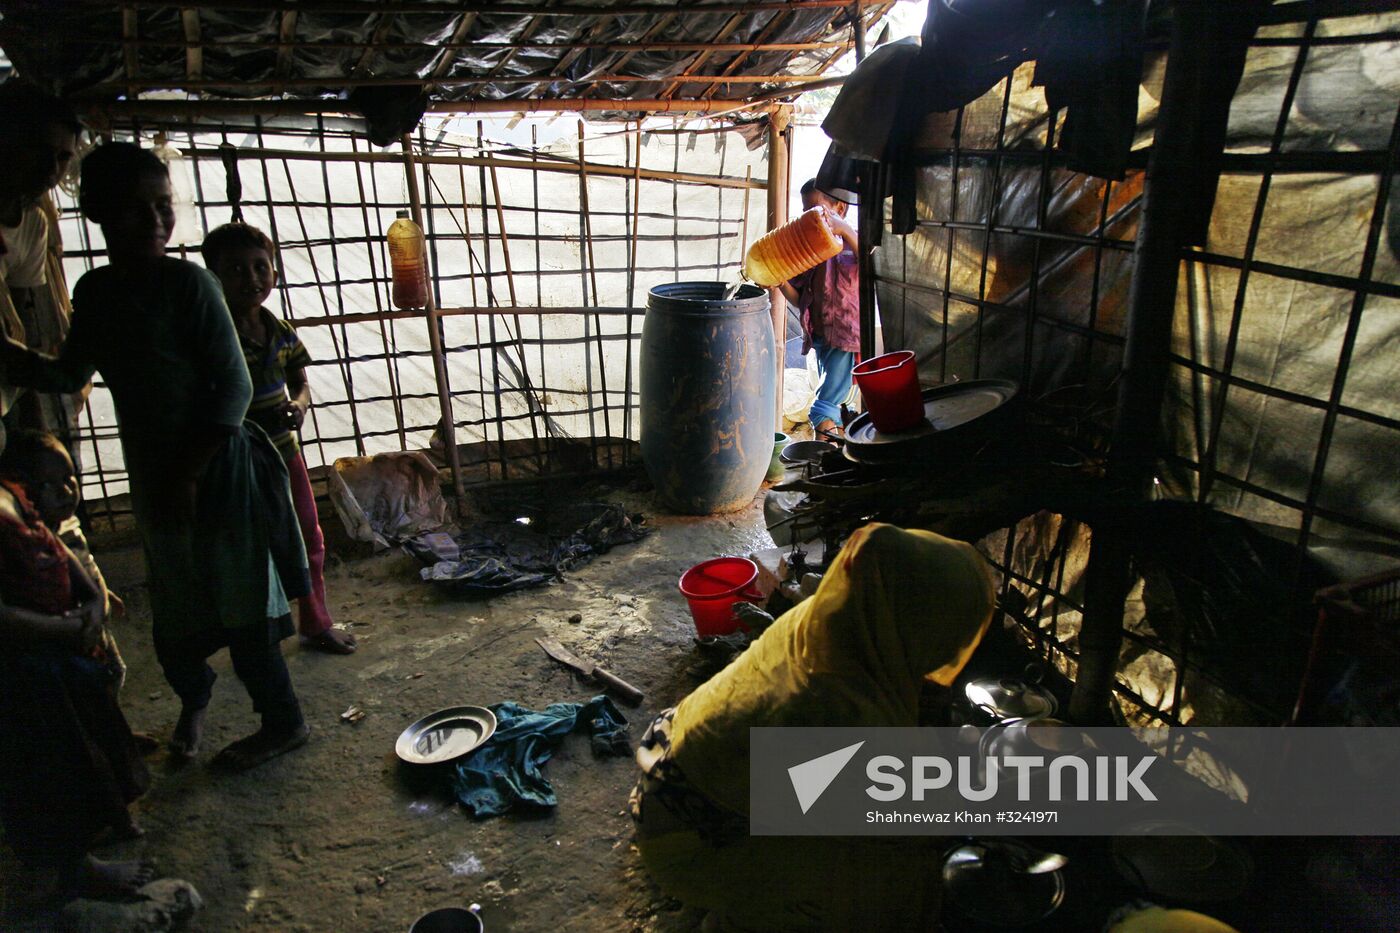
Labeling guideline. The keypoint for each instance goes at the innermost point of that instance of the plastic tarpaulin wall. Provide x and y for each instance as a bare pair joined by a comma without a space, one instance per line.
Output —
1280,406
1019,270
567,303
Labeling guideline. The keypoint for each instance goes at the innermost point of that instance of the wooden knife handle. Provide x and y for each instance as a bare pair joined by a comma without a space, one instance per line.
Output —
629,693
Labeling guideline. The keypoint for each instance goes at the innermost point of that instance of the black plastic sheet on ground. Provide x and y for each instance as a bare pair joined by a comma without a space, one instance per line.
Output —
500,555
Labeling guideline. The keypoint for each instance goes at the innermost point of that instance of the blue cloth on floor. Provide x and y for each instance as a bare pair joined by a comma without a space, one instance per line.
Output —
506,770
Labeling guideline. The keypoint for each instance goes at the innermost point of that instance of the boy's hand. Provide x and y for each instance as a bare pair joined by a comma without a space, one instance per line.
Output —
118,605
89,618
840,226
295,414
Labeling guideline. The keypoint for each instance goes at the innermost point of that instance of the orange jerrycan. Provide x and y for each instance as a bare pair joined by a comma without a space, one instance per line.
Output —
796,246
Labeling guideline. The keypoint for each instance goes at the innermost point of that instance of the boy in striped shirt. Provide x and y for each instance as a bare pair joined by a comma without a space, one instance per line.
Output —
242,257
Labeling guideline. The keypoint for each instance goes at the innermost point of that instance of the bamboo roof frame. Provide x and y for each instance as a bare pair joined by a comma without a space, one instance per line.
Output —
743,57
775,47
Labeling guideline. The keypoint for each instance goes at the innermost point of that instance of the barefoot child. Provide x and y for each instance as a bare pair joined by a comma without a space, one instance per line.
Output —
209,494
243,258
68,764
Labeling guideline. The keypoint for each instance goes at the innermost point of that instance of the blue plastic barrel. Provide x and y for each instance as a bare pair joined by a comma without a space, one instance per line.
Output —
708,373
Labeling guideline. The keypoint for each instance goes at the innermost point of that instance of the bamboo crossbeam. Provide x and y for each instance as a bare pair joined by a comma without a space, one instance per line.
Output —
194,109
569,168
25,33
371,8
187,84
358,317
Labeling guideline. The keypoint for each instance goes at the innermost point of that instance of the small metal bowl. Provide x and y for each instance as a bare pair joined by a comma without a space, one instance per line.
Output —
446,735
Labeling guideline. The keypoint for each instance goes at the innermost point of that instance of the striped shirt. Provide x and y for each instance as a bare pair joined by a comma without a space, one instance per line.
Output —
267,367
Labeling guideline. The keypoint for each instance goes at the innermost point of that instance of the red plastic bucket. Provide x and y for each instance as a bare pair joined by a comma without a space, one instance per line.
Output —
889,384
713,587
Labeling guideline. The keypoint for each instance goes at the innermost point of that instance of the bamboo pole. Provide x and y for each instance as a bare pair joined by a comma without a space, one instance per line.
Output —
570,168
214,84
26,33
449,432
587,234
777,216
435,8
188,109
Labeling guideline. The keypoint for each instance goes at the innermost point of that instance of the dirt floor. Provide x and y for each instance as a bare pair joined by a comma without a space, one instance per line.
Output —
332,837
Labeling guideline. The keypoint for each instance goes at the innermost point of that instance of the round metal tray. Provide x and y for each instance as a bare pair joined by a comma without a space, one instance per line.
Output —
445,735
950,412
806,451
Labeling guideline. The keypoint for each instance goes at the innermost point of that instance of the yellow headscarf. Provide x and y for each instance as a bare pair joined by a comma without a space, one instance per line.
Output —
895,607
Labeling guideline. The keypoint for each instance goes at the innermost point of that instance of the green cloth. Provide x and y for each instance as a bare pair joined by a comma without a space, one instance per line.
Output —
166,347
507,770
267,367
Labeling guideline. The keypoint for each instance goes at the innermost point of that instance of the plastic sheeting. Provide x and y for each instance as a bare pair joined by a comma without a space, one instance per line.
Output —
491,557
69,45
368,376
1065,327
387,499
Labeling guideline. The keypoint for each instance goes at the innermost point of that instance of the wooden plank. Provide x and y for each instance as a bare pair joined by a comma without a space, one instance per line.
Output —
675,84
444,64
130,62
286,39
194,51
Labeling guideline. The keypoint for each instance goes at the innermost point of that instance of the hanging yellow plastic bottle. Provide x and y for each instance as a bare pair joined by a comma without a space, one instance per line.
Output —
408,262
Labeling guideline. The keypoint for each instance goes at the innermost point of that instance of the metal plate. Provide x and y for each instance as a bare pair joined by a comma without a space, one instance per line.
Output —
948,410
445,735
806,451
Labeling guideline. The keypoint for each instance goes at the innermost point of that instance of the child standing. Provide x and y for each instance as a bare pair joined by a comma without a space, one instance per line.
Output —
829,299
209,494
242,257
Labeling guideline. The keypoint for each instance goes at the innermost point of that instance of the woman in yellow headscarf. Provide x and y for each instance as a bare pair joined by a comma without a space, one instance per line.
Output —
896,607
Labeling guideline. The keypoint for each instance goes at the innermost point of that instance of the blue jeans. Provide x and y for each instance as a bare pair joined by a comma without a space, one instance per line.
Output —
834,366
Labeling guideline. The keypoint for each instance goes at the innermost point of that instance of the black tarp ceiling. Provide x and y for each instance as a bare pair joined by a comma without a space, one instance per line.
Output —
487,51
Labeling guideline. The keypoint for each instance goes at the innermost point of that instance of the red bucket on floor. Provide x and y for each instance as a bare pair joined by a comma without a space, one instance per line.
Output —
713,587
889,384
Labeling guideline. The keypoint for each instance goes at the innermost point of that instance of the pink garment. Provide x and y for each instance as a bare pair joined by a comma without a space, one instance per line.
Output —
313,617
829,299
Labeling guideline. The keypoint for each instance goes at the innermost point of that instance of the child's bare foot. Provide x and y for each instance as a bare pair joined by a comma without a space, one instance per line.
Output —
99,879
261,746
828,428
189,732
146,744
333,641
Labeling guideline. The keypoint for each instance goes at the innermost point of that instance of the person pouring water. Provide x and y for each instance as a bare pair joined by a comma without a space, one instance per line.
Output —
828,299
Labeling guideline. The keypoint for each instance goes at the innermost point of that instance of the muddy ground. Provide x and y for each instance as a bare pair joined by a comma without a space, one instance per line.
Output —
333,838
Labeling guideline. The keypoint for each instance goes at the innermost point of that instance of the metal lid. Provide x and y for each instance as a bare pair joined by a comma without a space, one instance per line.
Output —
1008,698
446,735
